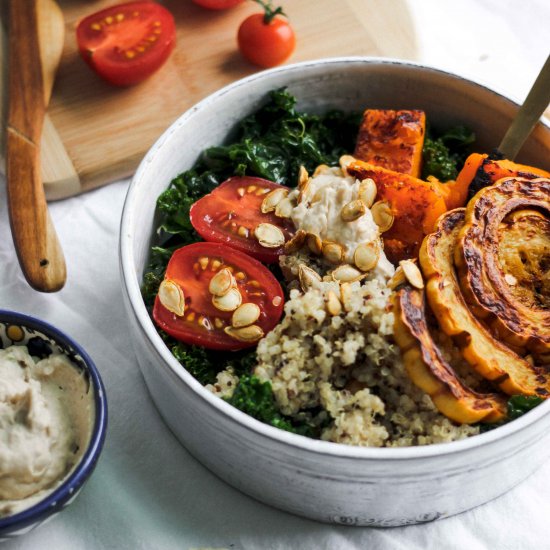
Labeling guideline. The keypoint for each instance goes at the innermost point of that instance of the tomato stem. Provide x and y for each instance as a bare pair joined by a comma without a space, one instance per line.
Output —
269,11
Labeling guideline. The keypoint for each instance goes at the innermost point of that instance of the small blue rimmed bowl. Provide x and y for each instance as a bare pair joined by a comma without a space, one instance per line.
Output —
42,340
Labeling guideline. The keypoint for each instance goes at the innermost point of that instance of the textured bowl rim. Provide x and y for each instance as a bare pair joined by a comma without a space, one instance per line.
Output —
85,466
131,288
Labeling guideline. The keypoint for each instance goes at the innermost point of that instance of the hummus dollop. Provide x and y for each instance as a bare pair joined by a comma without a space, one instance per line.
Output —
40,438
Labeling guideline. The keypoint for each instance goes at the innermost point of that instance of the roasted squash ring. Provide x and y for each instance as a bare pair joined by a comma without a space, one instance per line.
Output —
487,356
482,278
429,371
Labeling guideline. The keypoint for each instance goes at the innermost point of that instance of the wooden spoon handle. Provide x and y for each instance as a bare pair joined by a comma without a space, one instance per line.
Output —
34,236
534,105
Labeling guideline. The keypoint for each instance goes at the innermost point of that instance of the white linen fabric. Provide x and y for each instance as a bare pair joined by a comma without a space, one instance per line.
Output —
147,491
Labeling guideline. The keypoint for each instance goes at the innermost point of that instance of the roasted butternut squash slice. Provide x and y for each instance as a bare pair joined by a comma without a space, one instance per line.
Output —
489,357
481,171
392,139
486,286
427,368
524,254
415,205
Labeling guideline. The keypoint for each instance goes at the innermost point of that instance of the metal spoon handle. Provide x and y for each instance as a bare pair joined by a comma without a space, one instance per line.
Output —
535,104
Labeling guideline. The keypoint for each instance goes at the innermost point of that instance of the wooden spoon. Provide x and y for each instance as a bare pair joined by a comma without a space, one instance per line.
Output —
36,36
536,102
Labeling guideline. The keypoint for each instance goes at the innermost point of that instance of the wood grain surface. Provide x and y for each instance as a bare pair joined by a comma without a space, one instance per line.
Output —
35,44
96,134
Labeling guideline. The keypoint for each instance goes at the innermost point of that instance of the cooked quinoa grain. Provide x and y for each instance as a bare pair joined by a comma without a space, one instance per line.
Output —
348,366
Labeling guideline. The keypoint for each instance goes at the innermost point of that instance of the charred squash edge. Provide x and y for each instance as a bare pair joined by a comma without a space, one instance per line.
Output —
480,171
429,371
487,356
476,258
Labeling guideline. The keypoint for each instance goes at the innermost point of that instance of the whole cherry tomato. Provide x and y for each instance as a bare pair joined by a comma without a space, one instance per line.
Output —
217,4
126,43
266,39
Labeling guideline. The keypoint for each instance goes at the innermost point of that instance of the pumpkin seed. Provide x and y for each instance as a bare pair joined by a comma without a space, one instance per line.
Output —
296,242
245,314
272,199
269,235
171,297
284,208
346,274
333,252
314,243
412,273
308,277
397,279
353,210
221,283
321,169
367,192
252,333
382,215
303,176
229,301
366,255
345,161
303,185
334,306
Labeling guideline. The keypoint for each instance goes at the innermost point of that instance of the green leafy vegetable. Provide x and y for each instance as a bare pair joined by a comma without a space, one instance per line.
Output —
204,364
518,405
255,398
443,155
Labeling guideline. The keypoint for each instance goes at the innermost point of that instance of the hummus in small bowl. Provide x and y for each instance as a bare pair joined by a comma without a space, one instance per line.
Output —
52,421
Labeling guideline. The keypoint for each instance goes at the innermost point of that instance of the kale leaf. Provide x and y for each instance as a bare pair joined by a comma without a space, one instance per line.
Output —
204,364
444,155
255,398
518,405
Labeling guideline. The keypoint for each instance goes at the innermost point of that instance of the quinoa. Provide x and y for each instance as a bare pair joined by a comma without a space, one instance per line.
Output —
348,366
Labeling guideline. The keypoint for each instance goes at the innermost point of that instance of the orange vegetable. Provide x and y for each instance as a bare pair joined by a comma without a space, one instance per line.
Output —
392,139
480,171
416,204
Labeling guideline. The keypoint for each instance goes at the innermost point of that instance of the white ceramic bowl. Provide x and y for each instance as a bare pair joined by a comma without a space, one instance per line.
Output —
320,480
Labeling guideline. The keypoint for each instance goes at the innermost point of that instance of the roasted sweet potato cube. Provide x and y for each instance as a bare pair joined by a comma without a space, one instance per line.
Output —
416,204
392,139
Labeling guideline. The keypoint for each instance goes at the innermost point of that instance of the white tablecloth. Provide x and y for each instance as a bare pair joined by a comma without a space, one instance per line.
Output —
147,491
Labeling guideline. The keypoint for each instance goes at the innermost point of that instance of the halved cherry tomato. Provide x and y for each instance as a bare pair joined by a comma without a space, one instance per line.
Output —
202,323
232,212
217,4
127,43
266,39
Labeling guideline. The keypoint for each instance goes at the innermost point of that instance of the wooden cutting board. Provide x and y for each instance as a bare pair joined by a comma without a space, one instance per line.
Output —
96,134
